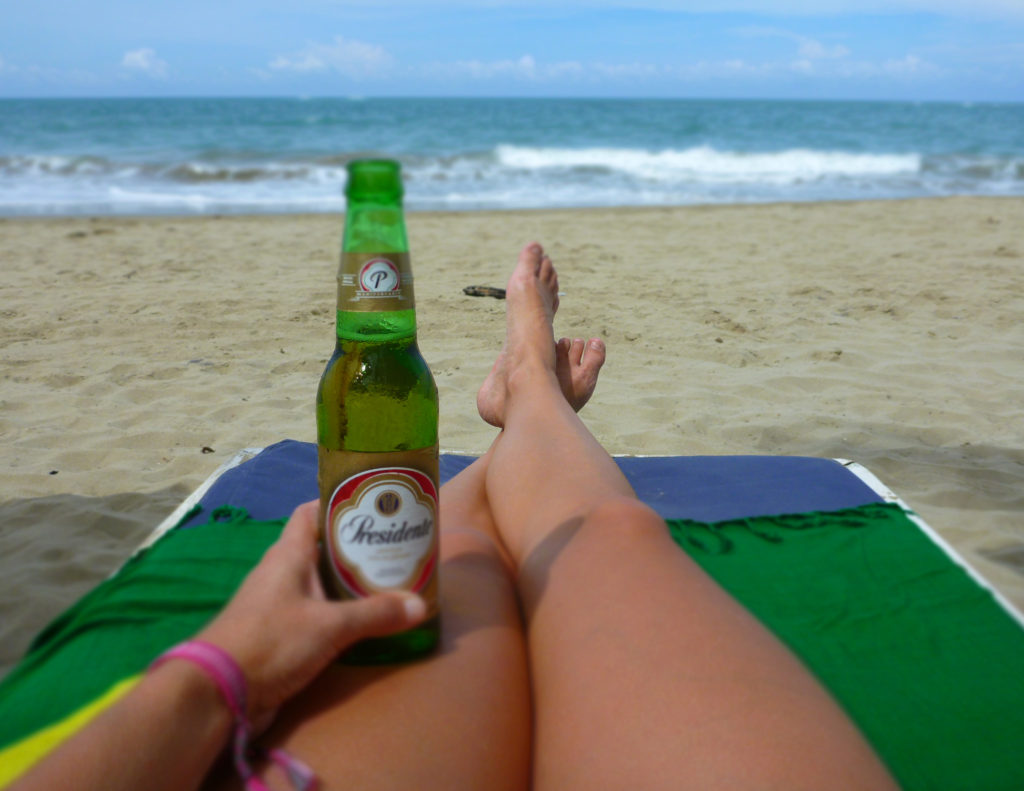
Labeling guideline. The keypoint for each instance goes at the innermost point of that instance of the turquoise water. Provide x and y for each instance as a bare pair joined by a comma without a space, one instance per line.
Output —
249,155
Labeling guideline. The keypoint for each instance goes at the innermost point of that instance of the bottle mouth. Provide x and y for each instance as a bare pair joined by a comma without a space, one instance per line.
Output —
380,178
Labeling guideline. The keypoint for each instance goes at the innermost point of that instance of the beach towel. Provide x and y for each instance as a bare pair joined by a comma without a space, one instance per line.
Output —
920,655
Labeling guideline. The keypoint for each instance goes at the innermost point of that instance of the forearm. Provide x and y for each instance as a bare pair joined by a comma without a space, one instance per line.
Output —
277,633
165,733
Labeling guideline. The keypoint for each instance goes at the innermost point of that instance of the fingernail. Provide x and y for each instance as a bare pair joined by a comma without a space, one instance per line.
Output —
415,608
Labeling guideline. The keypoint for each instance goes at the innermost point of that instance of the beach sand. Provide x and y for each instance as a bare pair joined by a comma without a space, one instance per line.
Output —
138,354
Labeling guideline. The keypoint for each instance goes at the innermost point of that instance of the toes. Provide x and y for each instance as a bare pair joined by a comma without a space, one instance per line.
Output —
564,360
578,363
576,351
585,354
565,368
532,255
547,272
594,355
549,278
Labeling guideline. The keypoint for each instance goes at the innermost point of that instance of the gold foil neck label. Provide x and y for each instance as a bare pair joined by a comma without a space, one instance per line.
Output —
370,282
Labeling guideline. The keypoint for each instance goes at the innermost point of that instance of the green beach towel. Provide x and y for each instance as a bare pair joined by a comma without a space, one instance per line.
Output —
922,658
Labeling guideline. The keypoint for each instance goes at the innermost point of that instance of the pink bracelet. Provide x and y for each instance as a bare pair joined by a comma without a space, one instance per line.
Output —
219,665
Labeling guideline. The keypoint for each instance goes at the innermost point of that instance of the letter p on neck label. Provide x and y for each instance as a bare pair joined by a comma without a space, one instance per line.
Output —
375,282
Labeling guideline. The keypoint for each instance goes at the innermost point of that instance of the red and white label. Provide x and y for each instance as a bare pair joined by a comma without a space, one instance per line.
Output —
382,531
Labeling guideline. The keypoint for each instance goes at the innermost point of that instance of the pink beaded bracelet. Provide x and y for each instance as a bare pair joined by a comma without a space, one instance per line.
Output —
219,665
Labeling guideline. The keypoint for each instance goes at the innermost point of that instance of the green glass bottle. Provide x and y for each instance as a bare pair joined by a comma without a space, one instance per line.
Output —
377,412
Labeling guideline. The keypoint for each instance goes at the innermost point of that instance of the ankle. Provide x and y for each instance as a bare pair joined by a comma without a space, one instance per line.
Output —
529,379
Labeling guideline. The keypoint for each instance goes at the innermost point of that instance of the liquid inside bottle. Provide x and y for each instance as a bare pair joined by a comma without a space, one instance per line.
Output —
377,415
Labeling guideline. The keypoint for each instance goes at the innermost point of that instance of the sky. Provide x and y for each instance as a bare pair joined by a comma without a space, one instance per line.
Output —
921,50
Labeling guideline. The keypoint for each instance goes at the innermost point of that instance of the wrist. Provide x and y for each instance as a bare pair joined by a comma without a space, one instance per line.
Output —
194,695
218,667
210,670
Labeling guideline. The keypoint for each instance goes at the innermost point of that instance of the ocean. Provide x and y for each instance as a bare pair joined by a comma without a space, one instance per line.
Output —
204,156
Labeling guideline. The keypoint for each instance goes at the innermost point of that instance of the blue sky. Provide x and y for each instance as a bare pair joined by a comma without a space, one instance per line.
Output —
809,49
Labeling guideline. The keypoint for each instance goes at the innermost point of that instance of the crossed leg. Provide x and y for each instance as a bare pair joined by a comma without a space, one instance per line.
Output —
640,671
645,674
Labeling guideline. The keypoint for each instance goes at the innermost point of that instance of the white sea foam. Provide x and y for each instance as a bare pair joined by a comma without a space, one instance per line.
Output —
704,163
506,176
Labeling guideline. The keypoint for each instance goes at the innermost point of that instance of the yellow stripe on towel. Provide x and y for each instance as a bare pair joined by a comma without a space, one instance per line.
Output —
21,756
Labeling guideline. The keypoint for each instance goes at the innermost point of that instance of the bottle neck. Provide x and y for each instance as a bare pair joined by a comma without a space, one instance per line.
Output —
372,225
378,327
375,285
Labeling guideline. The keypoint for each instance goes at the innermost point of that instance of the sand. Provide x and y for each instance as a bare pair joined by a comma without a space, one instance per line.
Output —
138,354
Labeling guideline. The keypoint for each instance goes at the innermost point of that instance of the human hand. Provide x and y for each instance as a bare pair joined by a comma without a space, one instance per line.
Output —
281,628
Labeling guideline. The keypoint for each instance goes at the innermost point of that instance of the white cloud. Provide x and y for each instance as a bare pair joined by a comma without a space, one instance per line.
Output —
807,48
35,75
815,50
734,68
815,59
568,68
524,67
814,62
146,61
909,66
627,70
348,57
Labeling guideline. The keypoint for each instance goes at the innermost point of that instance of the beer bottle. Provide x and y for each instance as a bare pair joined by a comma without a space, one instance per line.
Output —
377,412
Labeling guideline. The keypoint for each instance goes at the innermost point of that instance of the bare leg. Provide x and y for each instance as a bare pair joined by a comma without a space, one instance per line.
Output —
645,673
462,718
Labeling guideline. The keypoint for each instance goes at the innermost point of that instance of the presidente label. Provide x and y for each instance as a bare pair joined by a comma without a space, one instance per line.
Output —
375,281
381,531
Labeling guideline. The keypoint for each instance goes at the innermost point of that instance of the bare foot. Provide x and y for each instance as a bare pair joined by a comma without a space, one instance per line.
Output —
532,302
577,364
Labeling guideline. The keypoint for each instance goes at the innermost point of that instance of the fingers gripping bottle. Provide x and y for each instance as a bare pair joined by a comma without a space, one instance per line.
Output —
376,412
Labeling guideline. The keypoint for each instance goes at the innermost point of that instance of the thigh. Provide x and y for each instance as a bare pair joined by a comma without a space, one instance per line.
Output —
459,719
648,675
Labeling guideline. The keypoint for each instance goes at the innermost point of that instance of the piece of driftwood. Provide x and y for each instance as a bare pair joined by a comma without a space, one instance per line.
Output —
484,291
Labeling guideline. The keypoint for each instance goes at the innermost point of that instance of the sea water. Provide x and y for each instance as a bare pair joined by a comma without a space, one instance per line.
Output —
153,156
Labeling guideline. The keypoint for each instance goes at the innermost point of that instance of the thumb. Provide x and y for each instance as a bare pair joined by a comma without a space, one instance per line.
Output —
374,616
